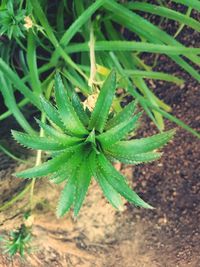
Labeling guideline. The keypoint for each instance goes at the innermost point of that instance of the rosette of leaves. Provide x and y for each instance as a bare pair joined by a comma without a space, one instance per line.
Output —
12,21
18,241
84,144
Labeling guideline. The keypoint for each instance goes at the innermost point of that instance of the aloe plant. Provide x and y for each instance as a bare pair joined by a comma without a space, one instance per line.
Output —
18,242
84,144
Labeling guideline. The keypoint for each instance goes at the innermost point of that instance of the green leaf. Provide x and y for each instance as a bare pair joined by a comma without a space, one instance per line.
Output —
103,104
50,166
150,32
136,158
122,115
191,3
52,113
68,169
79,109
66,110
32,62
82,183
134,46
10,102
166,13
80,21
142,145
67,197
63,138
117,181
109,192
116,133
37,142
154,75
18,83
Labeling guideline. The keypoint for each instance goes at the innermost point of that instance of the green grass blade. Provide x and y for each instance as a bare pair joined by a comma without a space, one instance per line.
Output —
154,75
147,30
11,155
32,63
10,102
80,21
133,46
191,3
14,78
164,113
8,113
166,13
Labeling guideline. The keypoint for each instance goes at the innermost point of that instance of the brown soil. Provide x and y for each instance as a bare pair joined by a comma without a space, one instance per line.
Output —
101,237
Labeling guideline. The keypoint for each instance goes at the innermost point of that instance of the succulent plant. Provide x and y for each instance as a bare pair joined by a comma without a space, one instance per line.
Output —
12,21
18,241
84,144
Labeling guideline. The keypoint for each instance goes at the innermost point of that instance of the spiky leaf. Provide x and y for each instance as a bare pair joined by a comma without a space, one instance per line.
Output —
118,132
63,138
66,110
137,146
136,158
68,168
51,113
103,104
79,109
48,167
82,183
117,181
37,142
109,192
122,115
67,197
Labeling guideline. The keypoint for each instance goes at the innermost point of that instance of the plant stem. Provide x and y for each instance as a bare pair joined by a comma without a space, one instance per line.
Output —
93,68
37,162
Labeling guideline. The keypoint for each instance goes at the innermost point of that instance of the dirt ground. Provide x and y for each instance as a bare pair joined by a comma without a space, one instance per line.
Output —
168,236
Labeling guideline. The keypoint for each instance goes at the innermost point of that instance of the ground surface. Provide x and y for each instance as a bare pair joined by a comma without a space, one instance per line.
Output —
169,236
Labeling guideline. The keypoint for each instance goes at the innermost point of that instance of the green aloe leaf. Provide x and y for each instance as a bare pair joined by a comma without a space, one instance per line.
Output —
79,109
68,168
122,115
67,197
103,104
66,110
110,193
137,146
37,142
136,158
82,183
48,167
117,181
63,138
52,113
116,133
